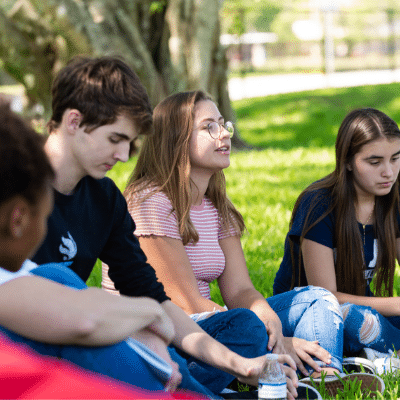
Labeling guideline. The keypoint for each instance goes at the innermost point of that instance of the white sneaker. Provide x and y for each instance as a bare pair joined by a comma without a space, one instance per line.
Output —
358,364
373,355
384,362
387,364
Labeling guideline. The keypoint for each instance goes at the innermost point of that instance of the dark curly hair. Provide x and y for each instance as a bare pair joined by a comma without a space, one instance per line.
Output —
24,167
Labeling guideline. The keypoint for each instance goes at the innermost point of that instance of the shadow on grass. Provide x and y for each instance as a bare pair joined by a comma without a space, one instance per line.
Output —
309,119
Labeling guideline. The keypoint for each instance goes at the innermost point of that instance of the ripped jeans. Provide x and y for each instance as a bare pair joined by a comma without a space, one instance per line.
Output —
312,313
365,327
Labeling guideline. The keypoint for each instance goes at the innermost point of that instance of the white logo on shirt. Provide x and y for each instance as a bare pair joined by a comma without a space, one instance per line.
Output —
68,247
369,272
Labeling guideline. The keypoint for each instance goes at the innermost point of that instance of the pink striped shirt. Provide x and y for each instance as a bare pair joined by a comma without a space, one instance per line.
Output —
154,217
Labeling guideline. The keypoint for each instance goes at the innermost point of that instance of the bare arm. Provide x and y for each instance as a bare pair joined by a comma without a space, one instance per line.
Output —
238,291
172,265
46,311
320,271
173,268
168,257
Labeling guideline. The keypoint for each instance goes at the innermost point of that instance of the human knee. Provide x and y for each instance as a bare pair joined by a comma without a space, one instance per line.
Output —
247,319
330,302
352,312
365,320
345,309
315,293
247,324
324,297
370,329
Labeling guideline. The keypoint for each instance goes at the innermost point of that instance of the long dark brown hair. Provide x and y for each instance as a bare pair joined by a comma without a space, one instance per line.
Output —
164,165
359,127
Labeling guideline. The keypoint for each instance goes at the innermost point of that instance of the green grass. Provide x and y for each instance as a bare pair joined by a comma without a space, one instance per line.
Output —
309,119
296,133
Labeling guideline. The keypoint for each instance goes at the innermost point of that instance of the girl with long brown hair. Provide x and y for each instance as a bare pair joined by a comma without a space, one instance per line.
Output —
344,232
190,232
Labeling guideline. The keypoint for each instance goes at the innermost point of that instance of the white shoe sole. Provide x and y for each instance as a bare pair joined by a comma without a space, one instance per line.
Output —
354,364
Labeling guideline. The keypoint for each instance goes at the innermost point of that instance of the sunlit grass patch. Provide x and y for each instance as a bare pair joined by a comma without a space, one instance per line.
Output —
309,119
264,186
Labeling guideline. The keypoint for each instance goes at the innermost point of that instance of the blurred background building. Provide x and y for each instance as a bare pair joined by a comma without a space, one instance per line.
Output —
311,36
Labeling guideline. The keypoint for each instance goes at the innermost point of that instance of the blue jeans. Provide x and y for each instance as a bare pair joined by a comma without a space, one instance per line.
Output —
241,331
310,313
118,361
365,327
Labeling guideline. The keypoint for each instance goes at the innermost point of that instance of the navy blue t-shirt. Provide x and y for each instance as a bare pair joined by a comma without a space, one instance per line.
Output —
93,223
323,233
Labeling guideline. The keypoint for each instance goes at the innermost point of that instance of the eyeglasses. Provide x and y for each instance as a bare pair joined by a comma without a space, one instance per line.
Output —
215,129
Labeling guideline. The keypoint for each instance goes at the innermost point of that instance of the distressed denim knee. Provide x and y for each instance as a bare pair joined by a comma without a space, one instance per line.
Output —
313,292
365,327
312,313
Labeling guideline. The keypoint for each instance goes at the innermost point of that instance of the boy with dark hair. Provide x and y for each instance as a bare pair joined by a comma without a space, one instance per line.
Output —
91,220
102,89
99,108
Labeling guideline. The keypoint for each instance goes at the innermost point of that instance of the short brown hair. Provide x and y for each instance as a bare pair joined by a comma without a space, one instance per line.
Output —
24,167
101,89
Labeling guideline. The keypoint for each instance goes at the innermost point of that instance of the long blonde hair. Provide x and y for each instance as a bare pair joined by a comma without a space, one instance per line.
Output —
164,165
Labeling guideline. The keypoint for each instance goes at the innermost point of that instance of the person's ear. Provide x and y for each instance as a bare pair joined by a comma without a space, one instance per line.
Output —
73,119
349,167
19,218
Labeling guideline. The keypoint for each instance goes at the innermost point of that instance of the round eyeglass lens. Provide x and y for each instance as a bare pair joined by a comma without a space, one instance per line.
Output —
229,127
214,129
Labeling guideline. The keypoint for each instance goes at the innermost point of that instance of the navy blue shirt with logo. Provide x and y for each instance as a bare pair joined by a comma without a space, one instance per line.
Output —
93,223
323,233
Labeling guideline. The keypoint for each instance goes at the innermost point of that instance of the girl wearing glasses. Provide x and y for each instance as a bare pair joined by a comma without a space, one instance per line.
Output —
344,233
190,232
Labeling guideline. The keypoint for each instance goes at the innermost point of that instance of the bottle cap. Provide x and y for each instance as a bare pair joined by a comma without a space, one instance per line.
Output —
272,356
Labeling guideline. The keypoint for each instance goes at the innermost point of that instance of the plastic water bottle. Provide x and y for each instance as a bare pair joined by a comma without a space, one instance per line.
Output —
272,380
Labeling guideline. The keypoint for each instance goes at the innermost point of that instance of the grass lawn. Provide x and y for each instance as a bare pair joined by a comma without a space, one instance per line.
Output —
296,134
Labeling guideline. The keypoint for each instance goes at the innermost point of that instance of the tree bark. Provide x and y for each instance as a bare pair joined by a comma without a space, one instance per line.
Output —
173,45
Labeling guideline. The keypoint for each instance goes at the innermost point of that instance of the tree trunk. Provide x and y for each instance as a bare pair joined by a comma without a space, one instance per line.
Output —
173,45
